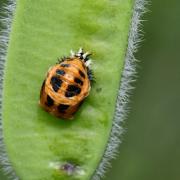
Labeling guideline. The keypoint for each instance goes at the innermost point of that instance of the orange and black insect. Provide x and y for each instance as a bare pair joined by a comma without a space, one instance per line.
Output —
66,85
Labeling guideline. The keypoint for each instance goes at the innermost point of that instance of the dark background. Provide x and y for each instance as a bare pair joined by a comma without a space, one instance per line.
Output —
151,145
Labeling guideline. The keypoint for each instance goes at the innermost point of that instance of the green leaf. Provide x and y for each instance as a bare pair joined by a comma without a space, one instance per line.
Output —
39,145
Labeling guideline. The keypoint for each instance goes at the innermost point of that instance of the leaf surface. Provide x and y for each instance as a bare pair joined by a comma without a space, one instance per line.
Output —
38,144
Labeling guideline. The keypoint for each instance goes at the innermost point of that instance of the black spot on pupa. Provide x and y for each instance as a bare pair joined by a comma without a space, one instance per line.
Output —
56,83
69,94
62,107
81,74
73,88
77,80
50,101
65,65
60,72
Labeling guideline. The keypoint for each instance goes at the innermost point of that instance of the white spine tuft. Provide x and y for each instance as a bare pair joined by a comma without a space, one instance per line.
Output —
85,55
80,50
128,76
6,15
88,63
72,54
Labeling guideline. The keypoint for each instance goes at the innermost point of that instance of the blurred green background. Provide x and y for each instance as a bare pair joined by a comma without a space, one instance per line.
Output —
151,145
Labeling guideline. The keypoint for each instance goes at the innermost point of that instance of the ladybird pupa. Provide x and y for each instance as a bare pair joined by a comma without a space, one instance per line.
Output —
66,85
